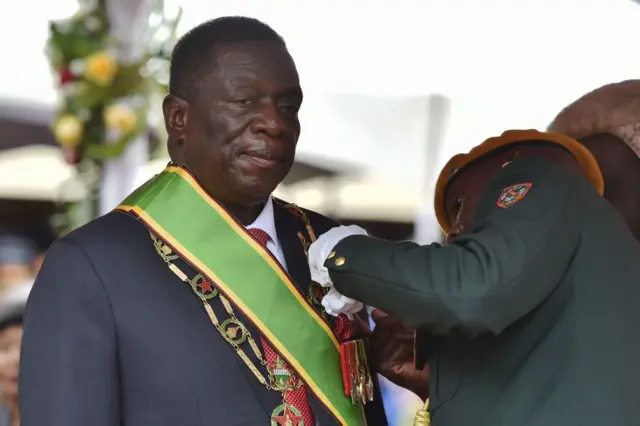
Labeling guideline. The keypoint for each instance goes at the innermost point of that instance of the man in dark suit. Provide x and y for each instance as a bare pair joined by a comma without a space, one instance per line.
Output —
112,336
530,310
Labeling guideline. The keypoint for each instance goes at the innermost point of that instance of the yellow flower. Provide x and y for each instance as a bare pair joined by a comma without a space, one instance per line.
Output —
120,118
101,68
68,131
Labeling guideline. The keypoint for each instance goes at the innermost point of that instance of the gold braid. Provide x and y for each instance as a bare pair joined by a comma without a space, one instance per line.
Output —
423,418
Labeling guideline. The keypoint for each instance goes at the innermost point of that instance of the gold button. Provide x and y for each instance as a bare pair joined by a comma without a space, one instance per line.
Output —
340,261
331,255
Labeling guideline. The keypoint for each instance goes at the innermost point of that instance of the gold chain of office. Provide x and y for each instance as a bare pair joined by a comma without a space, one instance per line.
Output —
231,329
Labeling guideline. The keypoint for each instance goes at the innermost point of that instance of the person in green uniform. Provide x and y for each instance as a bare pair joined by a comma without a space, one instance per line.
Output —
607,122
531,307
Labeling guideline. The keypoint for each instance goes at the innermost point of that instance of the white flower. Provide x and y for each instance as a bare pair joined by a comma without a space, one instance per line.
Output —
76,66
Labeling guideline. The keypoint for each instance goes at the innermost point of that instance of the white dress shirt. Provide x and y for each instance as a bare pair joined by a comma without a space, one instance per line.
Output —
267,223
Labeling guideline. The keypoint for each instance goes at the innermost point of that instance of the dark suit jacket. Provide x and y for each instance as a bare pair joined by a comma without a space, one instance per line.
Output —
536,308
112,337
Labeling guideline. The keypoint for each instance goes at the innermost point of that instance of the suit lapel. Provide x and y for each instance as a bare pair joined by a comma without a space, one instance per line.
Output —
287,228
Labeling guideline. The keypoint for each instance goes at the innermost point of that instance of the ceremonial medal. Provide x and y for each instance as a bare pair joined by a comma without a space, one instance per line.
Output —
356,376
281,377
365,372
286,415
282,380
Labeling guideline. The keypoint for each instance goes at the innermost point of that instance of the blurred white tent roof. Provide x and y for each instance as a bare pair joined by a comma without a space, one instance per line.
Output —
38,172
20,109
360,198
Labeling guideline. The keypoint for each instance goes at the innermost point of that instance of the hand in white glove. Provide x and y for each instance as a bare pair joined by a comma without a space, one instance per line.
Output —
335,304
320,249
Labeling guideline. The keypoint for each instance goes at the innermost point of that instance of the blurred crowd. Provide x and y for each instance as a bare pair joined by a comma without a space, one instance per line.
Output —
20,260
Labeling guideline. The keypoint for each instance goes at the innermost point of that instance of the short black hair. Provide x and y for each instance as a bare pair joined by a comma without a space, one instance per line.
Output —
191,57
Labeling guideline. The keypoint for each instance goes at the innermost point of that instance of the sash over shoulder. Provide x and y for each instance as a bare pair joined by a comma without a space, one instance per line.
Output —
176,208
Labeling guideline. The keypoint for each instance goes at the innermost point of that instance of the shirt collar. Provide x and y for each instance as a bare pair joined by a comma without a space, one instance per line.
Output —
266,222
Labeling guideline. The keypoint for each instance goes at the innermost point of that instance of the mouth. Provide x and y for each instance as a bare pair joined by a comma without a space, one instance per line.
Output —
262,158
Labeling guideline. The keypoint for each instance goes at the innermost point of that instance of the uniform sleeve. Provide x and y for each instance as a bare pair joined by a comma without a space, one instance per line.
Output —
483,281
68,367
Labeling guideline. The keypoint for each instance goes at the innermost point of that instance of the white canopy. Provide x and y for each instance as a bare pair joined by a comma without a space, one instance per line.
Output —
38,172
365,198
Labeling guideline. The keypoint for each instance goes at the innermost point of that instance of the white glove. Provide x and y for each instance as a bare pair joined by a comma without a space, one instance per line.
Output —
320,249
335,304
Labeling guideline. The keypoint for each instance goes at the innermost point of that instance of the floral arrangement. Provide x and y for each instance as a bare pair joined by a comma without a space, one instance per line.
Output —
104,100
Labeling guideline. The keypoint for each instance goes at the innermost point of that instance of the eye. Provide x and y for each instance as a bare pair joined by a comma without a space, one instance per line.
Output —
290,108
242,101
289,104
244,98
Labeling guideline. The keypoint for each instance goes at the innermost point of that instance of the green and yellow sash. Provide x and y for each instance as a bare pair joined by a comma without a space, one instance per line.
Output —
175,207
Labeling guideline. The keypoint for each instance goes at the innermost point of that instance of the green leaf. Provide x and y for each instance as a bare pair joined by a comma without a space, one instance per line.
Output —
127,82
91,95
161,87
56,36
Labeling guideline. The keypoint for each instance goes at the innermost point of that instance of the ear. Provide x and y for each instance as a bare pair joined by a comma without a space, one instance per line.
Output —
175,111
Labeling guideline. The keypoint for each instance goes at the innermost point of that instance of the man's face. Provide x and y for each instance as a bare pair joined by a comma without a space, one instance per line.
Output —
239,133
14,274
467,189
469,184
10,339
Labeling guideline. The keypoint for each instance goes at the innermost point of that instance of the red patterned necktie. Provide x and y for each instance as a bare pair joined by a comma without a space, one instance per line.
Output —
298,397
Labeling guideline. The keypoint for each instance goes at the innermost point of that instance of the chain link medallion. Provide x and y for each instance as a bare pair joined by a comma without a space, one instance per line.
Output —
286,415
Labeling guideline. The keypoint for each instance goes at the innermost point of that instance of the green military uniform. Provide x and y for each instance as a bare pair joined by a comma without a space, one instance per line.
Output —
536,309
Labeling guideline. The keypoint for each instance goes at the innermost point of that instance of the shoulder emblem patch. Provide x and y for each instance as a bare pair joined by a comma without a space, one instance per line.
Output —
513,194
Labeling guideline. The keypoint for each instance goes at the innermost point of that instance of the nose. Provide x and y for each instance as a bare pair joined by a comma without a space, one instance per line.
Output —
268,121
